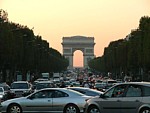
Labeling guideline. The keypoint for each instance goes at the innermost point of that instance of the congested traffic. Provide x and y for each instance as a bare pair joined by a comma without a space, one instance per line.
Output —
72,95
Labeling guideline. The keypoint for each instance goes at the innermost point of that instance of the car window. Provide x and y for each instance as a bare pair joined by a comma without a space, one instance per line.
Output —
43,94
146,91
116,91
81,91
19,86
119,91
108,94
134,91
58,94
43,85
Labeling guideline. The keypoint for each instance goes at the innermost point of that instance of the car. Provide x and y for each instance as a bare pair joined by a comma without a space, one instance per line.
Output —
130,97
100,86
109,82
67,83
86,91
41,79
49,100
44,84
20,88
2,93
75,84
6,88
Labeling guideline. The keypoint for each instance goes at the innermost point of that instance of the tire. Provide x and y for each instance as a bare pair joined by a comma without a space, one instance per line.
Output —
14,109
71,108
145,110
93,109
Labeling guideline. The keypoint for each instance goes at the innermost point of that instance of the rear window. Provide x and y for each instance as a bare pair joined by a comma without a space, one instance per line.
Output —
43,85
19,86
76,92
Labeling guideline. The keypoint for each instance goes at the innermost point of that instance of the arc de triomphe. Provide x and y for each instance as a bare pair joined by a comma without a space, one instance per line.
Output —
85,44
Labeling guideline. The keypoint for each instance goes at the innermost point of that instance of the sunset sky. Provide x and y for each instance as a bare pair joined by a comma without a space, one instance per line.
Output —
105,20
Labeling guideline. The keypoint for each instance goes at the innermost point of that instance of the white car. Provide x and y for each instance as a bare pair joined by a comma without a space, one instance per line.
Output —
20,88
2,93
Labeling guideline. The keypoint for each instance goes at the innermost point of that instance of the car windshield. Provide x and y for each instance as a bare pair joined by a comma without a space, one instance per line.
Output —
19,86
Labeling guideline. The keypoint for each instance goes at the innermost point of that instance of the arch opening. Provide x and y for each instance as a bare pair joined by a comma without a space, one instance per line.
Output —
78,59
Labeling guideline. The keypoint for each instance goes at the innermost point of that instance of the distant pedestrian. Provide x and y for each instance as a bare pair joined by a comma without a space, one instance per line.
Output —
62,85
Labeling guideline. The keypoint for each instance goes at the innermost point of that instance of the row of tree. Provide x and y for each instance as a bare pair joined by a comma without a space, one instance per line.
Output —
129,56
21,50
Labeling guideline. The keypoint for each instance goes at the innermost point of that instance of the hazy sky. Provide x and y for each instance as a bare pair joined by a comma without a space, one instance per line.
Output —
105,20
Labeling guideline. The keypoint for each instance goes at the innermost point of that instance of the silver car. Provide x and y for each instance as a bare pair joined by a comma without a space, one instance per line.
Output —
20,88
49,100
133,97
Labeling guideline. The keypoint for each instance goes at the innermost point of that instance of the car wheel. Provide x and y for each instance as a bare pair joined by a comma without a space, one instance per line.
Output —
145,110
71,108
14,109
93,109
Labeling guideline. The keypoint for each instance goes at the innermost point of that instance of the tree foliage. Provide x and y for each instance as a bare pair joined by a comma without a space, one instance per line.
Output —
130,55
21,50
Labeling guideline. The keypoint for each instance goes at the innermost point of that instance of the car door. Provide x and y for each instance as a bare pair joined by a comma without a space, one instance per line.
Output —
111,100
60,99
132,100
40,101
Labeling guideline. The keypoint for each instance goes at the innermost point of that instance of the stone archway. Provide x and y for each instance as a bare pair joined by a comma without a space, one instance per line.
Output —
85,44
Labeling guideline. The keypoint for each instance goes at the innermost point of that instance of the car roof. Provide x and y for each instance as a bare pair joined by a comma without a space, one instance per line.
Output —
20,82
45,82
72,92
84,88
136,83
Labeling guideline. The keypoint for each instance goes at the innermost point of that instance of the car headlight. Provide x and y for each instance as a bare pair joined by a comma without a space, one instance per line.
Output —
26,91
1,96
